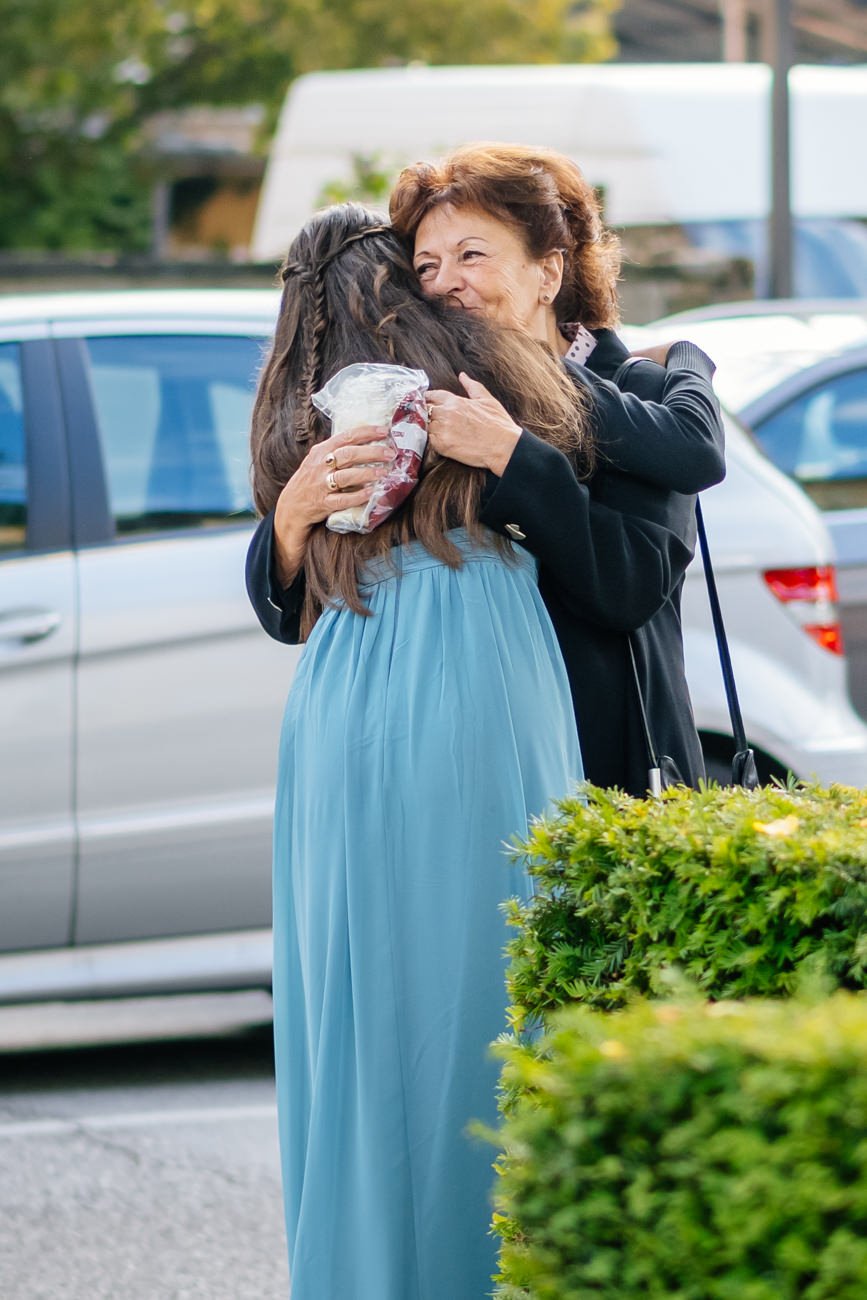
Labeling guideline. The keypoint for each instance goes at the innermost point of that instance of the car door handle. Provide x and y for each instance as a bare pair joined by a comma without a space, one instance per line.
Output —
28,624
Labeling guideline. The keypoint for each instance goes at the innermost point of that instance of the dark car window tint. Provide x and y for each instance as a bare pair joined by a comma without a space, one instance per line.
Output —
13,462
174,416
821,440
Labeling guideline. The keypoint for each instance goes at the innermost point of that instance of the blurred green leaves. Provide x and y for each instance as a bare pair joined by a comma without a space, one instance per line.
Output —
689,1151
710,1146
78,83
744,893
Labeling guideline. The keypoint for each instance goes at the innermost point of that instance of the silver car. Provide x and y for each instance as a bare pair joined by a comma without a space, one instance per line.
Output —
140,702
795,373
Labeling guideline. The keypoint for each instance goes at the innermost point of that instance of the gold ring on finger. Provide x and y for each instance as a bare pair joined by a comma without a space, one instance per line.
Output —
331,460
331,481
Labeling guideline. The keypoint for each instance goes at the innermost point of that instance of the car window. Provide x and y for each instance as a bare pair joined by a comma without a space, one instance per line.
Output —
829,255
13,463
821,440
173,414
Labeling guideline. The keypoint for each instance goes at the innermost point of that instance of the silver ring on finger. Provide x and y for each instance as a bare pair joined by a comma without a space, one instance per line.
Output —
331,481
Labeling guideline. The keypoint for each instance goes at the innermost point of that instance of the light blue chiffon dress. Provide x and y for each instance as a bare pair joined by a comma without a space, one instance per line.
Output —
415,743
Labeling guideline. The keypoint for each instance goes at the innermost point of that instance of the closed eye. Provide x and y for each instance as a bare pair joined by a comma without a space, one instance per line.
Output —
425,269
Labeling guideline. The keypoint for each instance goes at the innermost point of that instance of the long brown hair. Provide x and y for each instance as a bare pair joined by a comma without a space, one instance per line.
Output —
350,294
540,193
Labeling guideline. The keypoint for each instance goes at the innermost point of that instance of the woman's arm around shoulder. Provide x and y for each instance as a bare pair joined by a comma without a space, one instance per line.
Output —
612,567
337,473
662,424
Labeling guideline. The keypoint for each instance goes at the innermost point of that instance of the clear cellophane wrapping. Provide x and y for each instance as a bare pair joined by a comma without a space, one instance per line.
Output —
370,393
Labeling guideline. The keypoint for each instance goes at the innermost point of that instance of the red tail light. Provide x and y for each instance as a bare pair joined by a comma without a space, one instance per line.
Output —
811,596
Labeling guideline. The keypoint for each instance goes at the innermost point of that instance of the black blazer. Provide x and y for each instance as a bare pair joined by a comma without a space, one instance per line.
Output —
612,552
658,644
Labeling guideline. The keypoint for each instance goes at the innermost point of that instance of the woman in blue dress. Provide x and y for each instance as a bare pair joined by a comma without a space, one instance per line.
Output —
429,721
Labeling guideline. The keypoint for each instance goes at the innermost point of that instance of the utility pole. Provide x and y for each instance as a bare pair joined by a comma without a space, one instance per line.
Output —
779,55
733,14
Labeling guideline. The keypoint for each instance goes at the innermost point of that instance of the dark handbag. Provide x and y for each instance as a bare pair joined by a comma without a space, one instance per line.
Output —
662,771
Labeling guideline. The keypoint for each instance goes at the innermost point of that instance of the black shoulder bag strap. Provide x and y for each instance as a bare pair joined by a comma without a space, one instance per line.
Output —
744,762
654,771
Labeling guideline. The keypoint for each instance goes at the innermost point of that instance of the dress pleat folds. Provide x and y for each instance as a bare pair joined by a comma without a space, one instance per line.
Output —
416,742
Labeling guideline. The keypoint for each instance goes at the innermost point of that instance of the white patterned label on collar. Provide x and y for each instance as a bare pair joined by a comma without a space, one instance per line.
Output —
581,346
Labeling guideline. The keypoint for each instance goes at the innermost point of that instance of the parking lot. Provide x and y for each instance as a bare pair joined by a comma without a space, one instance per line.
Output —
140,1169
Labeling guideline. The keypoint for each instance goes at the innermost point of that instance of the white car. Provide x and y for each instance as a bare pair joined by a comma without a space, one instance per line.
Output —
773,560
795,374
140,702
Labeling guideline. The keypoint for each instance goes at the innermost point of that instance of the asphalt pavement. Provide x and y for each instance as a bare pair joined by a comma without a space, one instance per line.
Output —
140,1170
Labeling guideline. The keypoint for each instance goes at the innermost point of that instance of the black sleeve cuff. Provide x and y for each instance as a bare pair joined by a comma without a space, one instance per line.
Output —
277,608
684,355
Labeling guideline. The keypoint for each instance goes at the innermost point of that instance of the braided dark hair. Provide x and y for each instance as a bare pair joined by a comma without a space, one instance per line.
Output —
314,331
313,277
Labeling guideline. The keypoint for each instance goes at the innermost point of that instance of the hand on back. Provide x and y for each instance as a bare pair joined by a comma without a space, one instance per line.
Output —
475,430
658,353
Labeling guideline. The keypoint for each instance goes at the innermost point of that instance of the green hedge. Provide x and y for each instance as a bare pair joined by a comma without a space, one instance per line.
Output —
679,1151
740,891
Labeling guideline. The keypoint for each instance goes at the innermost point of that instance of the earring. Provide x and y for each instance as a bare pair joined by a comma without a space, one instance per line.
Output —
546,298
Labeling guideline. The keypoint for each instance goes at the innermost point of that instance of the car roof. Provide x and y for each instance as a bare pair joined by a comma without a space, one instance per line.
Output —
144,304
759,345
802,308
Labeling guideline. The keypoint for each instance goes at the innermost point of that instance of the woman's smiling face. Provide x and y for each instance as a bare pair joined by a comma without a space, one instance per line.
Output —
480,263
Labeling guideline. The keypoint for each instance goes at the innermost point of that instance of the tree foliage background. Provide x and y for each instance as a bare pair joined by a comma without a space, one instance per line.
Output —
79,80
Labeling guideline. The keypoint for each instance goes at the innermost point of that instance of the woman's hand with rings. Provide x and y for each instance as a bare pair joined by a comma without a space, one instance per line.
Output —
336,474
475,430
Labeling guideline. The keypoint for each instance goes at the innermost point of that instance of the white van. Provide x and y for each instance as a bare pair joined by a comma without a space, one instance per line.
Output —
684,144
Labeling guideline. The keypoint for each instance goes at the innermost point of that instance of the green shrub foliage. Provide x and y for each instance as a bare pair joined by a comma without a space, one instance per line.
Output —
741,892
689,1151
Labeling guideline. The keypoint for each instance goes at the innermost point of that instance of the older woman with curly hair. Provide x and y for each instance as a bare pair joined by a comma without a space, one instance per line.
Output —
515,234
